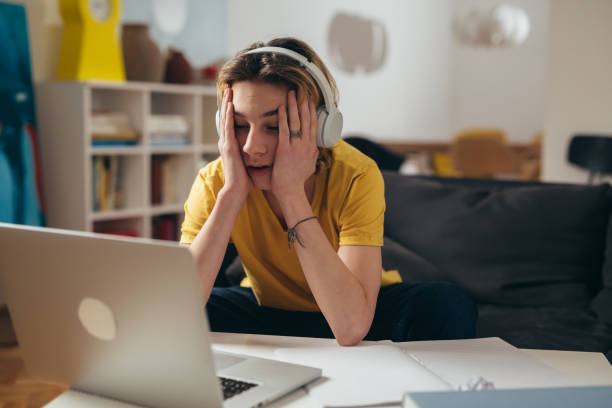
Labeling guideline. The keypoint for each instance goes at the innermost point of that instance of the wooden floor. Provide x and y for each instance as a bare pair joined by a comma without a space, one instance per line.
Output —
17,388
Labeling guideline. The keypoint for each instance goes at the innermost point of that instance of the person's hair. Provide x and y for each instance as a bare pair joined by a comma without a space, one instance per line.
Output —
279,69
276,69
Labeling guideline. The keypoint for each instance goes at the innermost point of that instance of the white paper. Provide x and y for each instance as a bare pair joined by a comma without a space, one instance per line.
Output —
365,374
370,374
458,361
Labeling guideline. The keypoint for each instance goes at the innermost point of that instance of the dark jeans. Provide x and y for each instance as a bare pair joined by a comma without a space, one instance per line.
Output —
404,312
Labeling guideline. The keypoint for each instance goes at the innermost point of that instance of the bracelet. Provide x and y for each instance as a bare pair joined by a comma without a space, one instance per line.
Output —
292,234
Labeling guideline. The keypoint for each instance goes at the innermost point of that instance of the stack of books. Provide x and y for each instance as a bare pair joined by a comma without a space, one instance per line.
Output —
107,191
112,129
168,130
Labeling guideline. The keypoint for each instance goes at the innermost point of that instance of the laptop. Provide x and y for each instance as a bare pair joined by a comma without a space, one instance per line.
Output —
123,318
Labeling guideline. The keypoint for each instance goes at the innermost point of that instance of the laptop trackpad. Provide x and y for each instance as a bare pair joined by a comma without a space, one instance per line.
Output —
223,361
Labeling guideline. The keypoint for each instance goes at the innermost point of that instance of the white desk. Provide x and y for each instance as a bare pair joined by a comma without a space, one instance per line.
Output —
592,368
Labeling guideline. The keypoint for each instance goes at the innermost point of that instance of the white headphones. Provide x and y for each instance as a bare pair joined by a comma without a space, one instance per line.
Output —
329,118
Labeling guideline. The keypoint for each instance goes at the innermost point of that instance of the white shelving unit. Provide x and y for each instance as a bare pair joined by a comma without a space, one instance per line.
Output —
64,121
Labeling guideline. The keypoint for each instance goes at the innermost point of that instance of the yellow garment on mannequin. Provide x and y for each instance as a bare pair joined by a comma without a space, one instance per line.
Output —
90,47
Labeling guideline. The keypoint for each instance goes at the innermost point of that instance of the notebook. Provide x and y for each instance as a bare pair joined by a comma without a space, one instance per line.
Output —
583,397
123,318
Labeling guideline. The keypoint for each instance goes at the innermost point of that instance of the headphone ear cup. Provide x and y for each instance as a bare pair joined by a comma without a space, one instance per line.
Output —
329,127
217,120
321,119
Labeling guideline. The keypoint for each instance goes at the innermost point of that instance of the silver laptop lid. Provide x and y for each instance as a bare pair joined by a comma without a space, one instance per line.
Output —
78,322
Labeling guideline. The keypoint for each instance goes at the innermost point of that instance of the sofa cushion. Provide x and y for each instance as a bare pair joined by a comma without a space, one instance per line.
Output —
602,304
554,328
410,265
526,245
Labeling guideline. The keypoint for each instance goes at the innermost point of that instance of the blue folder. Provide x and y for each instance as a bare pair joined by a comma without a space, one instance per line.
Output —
581,397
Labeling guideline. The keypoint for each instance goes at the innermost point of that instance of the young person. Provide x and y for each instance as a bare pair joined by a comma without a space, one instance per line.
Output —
307,221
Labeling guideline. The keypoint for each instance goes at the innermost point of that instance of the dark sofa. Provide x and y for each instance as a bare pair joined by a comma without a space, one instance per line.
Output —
536,257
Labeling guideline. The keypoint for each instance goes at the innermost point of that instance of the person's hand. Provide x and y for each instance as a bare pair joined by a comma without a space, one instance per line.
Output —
236,177
296,153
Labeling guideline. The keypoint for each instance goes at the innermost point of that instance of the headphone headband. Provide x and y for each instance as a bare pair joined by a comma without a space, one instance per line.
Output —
329,118
311,68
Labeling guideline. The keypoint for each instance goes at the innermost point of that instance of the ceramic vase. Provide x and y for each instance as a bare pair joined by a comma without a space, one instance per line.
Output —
178,68
141,56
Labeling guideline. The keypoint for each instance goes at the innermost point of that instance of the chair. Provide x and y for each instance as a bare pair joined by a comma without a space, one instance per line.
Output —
483,153
530,157
593,153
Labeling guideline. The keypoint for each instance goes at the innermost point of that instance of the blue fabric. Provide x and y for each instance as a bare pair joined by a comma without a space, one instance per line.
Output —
10,188
15,66
19,201
7,187
404,312
32,211
20,190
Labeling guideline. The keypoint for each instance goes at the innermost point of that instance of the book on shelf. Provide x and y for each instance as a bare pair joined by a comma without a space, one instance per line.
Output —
112,128
169,141
166,227
168,130
106,183
101,143
168,123
156,180
112,183
164,176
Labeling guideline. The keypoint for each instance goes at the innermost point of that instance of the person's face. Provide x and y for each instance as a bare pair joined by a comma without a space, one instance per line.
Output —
256,127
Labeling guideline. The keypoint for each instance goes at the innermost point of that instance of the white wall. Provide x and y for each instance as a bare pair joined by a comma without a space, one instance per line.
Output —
199,39
430,87
580,97
408,98
502,87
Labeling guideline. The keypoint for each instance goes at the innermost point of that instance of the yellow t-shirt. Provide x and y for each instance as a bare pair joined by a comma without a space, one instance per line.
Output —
348,201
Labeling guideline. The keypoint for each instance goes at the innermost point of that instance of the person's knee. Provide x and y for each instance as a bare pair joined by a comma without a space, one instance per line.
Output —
457,311
434,311
232,309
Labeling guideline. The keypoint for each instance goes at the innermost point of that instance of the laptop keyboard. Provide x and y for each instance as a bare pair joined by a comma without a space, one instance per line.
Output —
232,387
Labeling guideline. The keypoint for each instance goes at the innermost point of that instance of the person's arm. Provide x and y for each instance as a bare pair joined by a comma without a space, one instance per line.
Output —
344,284
208,247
